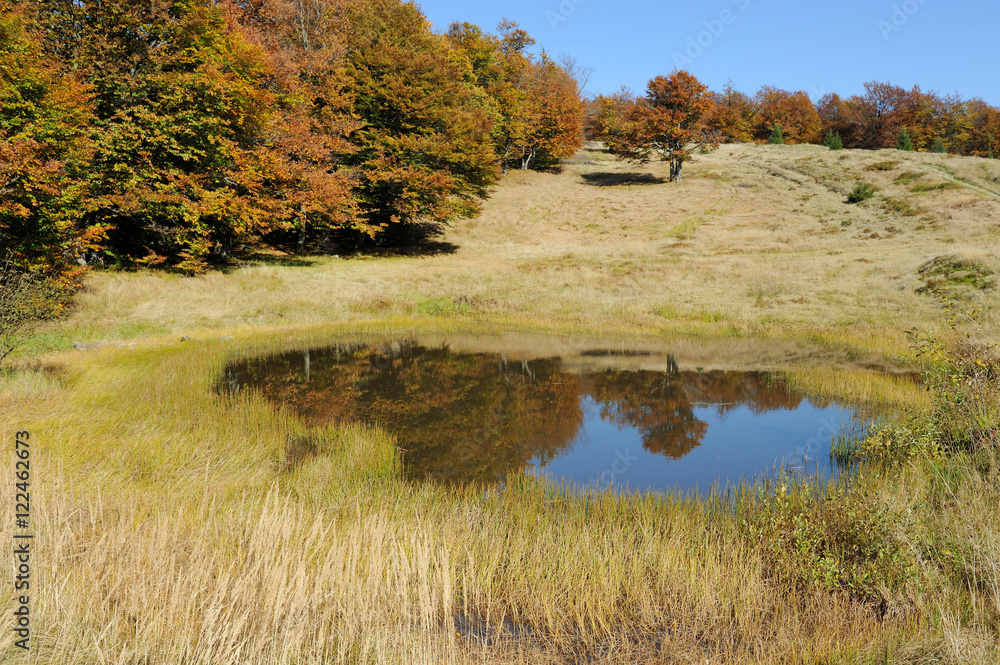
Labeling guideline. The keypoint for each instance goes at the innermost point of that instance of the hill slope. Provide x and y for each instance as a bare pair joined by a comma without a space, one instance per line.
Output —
756,238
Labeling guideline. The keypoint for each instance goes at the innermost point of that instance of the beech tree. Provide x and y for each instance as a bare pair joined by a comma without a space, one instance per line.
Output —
179,111
309,190
665,124
554,115
535,102
734,115
423,152
794,112
45,150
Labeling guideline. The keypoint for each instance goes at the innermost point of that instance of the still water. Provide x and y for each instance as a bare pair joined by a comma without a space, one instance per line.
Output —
623,419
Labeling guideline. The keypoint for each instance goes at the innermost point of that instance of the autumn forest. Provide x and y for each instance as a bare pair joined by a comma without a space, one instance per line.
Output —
179,133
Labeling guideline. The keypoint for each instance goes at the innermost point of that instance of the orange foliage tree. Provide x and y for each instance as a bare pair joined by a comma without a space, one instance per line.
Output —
535,102
423,153
733,116
180,108
44,153
793,111
308,190
665,124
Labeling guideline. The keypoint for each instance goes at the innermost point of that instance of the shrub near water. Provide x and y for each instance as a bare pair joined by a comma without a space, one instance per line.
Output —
864,541
965,387
830,539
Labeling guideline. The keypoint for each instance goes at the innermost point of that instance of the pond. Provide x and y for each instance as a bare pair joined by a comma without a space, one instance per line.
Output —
627,418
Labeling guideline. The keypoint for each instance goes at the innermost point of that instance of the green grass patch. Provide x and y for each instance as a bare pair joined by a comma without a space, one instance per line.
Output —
908,178
443,307
951,272
939,187
685,230
902,207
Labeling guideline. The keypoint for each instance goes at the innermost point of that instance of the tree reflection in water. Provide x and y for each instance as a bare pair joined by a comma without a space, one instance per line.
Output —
476,417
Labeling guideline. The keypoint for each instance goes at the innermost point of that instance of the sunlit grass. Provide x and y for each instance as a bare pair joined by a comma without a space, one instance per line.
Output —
179,525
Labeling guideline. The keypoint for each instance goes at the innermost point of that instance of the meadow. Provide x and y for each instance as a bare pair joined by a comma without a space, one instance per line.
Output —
172,528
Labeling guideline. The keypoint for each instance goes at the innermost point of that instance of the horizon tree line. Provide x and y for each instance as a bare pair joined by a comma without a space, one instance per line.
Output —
181,133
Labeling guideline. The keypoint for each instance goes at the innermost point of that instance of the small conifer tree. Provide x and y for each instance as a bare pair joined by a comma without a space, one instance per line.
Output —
777,136
904,142
939,146
833,141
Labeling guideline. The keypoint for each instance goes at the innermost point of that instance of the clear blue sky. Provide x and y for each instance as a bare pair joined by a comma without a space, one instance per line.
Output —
814,45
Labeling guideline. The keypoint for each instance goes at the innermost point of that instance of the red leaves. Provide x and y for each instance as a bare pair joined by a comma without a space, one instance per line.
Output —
793,111
666,123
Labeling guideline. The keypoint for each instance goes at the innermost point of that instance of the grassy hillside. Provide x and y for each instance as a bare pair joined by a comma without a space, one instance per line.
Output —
756,239
172,528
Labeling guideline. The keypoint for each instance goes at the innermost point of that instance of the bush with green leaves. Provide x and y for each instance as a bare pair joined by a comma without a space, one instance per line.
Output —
964,383
861,192
833,141
831,539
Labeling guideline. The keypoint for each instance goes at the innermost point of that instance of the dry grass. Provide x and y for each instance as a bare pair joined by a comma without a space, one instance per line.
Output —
172,529
756,240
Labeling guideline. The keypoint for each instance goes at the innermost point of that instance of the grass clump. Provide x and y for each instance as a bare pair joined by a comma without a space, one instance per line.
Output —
908,177
887,165
902,207
941,186
861,192
444,307
951,272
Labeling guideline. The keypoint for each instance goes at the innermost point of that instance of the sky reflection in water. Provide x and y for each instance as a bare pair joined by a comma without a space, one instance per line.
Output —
480,417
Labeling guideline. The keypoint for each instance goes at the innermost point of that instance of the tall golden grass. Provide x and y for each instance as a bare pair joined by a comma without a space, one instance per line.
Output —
171,529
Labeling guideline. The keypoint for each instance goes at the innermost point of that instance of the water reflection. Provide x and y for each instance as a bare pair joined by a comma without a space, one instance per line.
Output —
470,416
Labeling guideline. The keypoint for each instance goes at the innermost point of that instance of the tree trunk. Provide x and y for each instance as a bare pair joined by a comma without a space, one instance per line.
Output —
526,161
302,232
675,170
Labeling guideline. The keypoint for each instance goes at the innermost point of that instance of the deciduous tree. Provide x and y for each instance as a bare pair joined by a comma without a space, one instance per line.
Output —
424,152
665,124
44,154
535,101
733,116
793,111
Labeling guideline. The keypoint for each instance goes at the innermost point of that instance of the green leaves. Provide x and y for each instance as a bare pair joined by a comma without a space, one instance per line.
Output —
424,151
